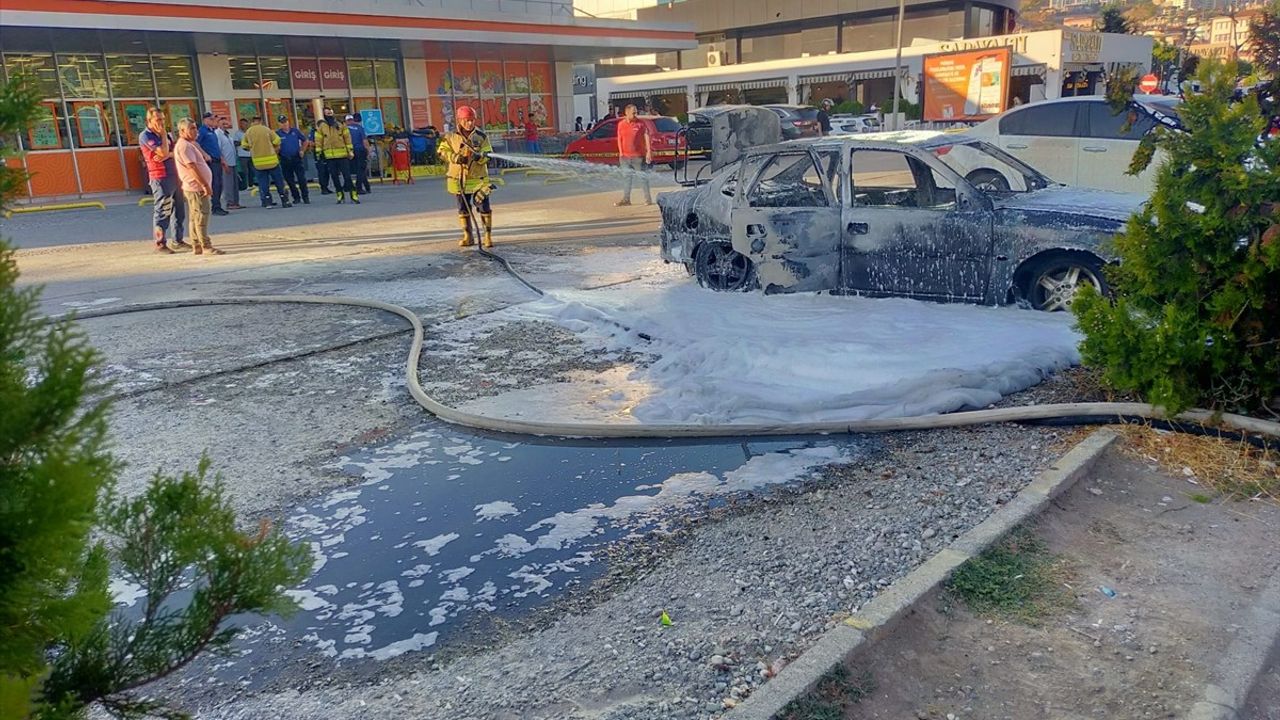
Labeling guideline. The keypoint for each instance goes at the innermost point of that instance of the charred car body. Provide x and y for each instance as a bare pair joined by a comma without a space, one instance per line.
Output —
891,214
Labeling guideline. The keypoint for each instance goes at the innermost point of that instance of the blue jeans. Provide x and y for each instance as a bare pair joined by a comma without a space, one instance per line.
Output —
265,178
170,208
533,147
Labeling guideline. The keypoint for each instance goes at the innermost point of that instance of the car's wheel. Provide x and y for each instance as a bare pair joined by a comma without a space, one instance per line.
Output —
988,181
719,267
1051,283
576,157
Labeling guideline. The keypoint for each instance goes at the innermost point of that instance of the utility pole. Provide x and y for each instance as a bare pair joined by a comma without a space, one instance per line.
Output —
897,65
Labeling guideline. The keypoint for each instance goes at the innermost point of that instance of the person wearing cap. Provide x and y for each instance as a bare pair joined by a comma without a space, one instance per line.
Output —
333,140
208,141
360,156
264,148
230,183
466,152
293,148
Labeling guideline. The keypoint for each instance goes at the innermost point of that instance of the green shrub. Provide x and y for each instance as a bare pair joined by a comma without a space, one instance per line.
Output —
1196,317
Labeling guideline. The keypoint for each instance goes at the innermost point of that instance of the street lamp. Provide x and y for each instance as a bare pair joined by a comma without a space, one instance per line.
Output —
897,65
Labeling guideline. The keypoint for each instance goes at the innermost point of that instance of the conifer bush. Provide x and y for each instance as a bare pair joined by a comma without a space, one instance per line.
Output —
1196,316
63,649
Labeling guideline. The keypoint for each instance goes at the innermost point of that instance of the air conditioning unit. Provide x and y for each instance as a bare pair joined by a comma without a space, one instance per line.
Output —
716,58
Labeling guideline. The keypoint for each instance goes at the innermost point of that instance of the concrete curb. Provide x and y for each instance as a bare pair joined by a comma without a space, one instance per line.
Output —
1239,668
878,618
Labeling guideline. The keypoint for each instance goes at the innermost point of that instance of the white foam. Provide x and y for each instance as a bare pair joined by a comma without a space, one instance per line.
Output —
434,545
496,509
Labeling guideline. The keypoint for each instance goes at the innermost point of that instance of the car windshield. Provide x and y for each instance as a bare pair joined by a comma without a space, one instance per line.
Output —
976,159
666,125
807,113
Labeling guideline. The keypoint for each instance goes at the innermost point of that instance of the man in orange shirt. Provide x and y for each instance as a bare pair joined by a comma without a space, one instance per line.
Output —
635,154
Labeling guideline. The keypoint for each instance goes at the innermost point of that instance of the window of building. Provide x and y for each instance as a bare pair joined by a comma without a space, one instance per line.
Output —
386,74
45,131
360,73
83,76
130,76
175,76
38,67
244,72
275,73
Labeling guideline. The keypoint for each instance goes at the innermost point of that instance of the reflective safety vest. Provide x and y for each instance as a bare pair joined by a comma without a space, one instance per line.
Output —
263,146
477,169
333,142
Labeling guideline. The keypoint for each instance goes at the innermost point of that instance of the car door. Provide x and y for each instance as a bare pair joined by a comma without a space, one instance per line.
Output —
1108,146
601,144
787,222
1045,136
913,227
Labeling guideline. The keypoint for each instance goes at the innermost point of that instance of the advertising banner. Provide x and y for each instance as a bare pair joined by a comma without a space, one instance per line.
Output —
971,85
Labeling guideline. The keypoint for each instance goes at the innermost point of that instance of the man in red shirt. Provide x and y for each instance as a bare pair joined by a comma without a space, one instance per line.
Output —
635,154
531,137
170,206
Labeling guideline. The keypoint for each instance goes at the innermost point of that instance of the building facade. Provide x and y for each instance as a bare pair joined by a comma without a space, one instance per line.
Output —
100,64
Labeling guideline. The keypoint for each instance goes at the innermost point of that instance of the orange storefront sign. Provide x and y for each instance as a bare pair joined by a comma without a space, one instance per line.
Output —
966,85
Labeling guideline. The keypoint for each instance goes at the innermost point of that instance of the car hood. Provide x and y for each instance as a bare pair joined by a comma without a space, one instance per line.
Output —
1076,201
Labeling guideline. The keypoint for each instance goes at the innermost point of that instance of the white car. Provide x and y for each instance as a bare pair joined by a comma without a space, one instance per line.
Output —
1075,141
854,123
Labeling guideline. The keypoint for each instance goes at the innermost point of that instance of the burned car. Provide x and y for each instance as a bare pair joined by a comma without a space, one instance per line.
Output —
891,214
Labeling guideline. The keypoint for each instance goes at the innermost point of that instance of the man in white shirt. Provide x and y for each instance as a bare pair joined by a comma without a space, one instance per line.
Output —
229,147
242,155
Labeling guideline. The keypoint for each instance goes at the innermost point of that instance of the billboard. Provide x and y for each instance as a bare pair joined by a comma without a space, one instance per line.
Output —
970,85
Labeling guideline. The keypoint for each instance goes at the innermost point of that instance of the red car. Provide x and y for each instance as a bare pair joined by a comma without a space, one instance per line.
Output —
600,143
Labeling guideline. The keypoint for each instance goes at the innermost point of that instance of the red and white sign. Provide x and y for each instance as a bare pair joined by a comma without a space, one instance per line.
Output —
419,114
305,74
333,74
1149,83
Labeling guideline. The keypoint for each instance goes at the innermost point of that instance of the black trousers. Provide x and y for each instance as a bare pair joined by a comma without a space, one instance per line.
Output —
295,174
469,199
360,169
215,169
340,173
322,172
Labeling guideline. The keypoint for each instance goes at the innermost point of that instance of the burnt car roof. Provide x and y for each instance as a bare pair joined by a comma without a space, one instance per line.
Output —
923,139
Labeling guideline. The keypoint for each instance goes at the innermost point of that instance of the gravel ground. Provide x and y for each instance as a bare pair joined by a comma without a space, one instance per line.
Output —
748,588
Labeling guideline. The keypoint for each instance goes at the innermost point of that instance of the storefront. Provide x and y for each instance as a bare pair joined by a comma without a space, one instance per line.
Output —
100,64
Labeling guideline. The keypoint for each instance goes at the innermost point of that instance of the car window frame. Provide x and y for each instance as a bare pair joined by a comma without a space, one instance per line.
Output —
1132,107
967,197
745,190
1077,127
591,134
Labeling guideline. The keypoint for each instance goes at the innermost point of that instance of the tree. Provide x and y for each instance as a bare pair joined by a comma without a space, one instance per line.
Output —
1264,39
1164,57
1196,317
62,649
1113,20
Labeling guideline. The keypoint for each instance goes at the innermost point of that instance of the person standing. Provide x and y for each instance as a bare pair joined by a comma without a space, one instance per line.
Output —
359,157
635,154
208,140
322,167
333,140
533,147
197,185
264,148
170,206
577,124
242,155
293,150
467,154
824,116
230,183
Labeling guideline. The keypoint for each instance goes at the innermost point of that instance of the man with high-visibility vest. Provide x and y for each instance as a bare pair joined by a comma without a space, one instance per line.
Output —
264,148
466,150
333,140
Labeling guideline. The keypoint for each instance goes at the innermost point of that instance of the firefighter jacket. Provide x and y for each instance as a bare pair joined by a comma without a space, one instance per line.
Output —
333,141
263,145
476,168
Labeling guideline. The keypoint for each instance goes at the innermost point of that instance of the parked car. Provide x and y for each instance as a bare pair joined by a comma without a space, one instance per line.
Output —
600,143
797,121
888,215
698,132
854,123
1076,141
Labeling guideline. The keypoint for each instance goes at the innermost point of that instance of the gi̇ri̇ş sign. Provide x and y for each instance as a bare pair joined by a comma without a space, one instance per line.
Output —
970,85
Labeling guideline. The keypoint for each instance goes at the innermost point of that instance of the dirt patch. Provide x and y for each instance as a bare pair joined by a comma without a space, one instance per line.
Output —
1159,580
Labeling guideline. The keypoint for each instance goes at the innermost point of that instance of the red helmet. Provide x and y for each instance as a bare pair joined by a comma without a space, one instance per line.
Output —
466,112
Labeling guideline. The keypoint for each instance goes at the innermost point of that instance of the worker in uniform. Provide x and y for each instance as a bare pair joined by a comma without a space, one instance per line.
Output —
333,140
466,151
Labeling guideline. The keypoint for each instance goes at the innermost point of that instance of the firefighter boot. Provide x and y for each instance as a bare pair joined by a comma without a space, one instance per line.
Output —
486,219
466,240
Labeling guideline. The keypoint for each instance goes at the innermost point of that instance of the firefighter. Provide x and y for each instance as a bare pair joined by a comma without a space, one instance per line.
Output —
466,150
333,140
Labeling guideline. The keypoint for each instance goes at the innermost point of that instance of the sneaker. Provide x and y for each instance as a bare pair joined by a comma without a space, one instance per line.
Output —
211,250
198,251
220,211
286,204
355,198
181,245
622,203
306,201
341,198
266,206
237,206
164,250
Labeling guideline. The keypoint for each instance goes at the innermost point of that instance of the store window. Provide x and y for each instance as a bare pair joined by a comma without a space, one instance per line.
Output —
45,131
387,76
82,76
275,73
360,73
130,76
244,73
40,68
175,76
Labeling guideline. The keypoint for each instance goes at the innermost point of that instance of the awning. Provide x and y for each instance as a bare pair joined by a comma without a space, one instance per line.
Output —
874,74
625,94
744,85
819,79
1028,70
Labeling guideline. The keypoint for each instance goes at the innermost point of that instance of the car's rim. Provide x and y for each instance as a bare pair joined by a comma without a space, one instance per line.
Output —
724,268
1056,289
